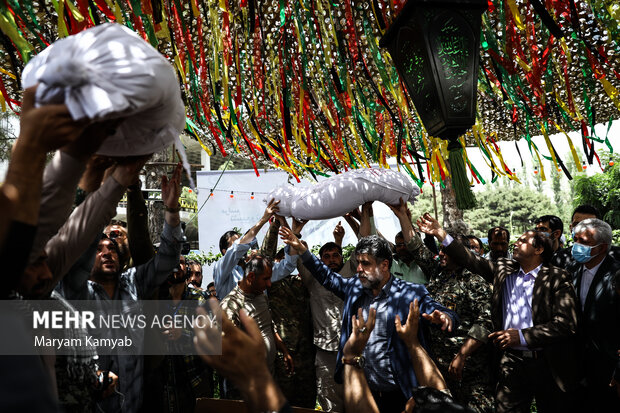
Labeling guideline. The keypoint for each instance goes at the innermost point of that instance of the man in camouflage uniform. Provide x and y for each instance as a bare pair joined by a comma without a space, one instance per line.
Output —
289,302
290,311
470,297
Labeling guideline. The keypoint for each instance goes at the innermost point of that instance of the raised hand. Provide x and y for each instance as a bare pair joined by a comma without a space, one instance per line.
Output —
339,233
360,332
289,238
272,209
48,127
439,318
171,188
298,226
399,210
409,332
429,225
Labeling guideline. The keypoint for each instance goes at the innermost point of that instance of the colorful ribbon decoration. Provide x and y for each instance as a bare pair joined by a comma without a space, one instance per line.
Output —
304,86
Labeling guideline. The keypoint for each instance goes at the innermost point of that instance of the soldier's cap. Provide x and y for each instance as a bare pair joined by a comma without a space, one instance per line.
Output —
428,400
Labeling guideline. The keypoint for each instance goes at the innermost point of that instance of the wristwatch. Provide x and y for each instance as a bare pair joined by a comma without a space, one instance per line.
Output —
358,361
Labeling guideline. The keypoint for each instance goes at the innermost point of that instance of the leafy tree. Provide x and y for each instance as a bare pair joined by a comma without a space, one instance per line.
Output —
7,135
424,203
601,190
512,208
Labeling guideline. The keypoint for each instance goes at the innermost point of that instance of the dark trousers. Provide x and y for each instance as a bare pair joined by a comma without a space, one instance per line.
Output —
387,402
521,379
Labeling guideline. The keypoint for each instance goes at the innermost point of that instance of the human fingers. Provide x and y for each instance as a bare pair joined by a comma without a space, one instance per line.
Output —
398,324
28,99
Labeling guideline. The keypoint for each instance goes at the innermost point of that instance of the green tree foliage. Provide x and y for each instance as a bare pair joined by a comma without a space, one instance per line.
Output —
424,203
601,190
512,208
7,134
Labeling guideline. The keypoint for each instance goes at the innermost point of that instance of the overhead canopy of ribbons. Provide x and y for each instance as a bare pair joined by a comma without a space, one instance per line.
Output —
303,85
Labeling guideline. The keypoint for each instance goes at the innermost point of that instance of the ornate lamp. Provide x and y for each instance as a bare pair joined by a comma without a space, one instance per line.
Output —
435,47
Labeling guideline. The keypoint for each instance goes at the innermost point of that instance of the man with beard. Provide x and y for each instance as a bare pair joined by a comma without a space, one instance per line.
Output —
109,285
469,295
498,239
388,367
534,315
194,275
117,231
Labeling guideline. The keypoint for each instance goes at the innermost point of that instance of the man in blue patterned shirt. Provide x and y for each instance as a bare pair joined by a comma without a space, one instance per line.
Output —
386,360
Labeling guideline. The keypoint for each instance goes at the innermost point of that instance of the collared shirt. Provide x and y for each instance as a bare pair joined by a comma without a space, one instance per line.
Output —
227,272
135,284
586,282
377,352
517,302
409,272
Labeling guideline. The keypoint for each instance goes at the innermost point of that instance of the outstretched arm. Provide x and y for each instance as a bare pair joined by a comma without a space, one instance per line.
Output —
457,251
272,208
425,370
357,394
150,275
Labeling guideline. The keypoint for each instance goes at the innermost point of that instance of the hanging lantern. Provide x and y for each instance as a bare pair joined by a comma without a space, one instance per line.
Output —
434,45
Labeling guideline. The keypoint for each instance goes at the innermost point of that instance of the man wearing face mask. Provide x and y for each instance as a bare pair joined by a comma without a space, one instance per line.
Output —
600,316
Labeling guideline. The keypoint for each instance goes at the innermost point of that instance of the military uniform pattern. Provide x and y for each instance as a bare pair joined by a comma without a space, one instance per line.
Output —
289,302
469,295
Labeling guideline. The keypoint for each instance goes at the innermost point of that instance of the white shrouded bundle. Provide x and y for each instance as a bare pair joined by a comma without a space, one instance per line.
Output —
109,72
335,196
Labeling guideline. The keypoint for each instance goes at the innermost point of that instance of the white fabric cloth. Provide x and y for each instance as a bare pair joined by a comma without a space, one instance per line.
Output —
108,72
335,196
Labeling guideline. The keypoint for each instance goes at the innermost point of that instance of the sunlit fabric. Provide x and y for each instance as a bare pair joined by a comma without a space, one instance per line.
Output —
109,72
335,196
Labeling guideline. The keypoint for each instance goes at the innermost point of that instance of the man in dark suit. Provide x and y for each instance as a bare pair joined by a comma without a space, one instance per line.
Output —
534,314
600,312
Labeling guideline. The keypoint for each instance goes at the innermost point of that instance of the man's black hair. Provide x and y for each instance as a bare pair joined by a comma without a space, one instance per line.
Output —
473,237
540,240
375,246
330,246
224,239
257,264
495,230
118,222
555,222
587,209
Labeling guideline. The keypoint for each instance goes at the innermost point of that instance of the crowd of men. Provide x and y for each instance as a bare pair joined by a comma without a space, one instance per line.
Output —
428,322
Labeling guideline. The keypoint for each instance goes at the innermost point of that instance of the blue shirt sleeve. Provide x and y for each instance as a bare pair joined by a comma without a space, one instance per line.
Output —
223,268
285,267
328,278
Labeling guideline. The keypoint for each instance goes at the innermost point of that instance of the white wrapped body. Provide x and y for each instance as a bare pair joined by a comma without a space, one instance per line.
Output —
335,196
